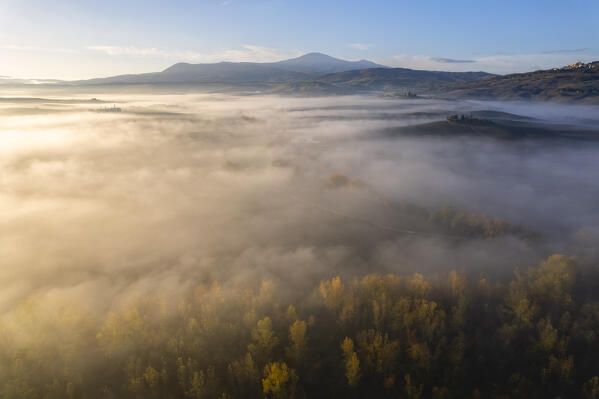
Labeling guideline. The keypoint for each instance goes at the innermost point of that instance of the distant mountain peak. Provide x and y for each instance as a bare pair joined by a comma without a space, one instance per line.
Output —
315,55
323,63
304,67
320,57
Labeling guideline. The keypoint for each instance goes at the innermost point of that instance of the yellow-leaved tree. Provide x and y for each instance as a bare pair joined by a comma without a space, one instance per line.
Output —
263,340
279,380
297,338
352,363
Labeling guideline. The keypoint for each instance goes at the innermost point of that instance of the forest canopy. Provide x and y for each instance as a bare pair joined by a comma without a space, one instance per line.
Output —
414,336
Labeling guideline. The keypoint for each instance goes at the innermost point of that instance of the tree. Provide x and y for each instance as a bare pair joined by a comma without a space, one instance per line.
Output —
591,388
332,292
412,391
263,340
245,376
279,380
297,337
547,335
352,364
196,386
378,351
553,280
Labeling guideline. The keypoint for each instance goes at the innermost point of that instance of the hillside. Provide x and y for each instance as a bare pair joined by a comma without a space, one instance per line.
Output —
397,78
309,88
577,82
500,126
393,79
223,72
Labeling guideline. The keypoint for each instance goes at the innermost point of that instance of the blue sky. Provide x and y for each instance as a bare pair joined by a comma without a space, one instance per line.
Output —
76,39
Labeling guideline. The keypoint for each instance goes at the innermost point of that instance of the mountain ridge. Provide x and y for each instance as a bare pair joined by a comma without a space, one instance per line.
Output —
295,69
310,74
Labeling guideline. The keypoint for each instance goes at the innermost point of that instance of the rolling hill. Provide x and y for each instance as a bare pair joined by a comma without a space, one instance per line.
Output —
500,126
578,82
384,79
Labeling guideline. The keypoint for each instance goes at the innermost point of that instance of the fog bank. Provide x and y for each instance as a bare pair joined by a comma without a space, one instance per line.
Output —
178,189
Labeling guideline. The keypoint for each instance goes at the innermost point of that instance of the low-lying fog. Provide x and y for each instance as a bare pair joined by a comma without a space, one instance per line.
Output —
181,188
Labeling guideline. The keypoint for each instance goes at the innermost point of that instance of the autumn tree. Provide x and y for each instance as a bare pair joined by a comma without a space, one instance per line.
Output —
352,364
263,340
279,381
297,338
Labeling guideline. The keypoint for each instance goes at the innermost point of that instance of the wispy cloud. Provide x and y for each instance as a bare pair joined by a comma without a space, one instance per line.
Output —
18,47
566,51
136,51
497,63
419,62
360,46
247,53
451,61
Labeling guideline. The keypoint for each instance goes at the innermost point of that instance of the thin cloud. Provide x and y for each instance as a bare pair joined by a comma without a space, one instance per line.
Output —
566,51
497,63
360,46
117,50
19,47
247,53
418,62
452,61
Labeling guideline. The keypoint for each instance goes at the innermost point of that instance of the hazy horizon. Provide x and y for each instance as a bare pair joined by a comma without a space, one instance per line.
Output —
50,80
115,38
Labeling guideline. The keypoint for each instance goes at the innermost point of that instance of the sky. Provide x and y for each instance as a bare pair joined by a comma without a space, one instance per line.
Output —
75,39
